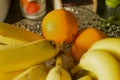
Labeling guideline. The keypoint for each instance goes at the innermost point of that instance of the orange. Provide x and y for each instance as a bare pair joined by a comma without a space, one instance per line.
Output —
60,25
84,40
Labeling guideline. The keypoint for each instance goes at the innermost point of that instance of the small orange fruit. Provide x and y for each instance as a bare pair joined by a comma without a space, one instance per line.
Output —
84,40
60,25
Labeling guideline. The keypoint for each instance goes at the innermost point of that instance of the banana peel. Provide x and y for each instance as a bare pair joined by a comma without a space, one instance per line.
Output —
22,56
36,72
10,31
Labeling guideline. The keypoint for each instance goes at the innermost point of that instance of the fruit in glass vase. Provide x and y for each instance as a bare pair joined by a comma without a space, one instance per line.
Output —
60,25
32,7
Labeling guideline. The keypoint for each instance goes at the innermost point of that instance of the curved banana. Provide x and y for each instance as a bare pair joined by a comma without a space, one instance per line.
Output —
37,72
57,72
10,31
110,44
86,77
101,64
22,56
10,75
2,45
5,41
8,41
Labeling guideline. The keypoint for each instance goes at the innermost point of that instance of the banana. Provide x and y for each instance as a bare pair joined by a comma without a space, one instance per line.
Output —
110,44
22,56
2,45
4,41
9,41
10,75
20,34
37,72
57,72
86,77
101,64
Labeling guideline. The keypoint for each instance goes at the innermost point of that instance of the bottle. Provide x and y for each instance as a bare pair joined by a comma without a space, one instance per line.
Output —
112,11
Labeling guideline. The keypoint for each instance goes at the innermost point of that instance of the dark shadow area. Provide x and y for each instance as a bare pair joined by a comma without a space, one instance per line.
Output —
101,7
14,13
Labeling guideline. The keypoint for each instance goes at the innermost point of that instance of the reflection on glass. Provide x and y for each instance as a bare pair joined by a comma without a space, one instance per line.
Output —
33,9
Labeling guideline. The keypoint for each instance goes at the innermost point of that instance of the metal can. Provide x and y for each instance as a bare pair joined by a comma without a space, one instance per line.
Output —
33,9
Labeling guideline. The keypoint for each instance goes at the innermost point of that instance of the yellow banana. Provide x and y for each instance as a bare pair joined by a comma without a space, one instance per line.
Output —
101,64
110,44
10,75
10,31
2,45
37,72
9,41
4,41
22,56
57,72
86,77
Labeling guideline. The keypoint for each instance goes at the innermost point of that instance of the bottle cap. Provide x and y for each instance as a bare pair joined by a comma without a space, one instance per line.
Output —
112,3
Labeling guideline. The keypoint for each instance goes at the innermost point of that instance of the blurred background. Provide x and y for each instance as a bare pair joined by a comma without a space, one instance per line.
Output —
14,13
